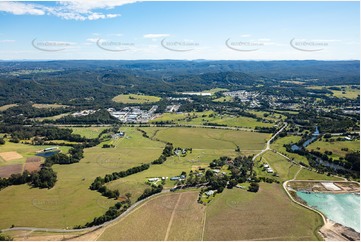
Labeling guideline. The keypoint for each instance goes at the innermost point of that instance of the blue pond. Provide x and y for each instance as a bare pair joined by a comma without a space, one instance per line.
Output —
340,208
48,154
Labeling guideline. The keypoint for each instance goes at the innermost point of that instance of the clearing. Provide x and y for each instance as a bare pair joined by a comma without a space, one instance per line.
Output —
11,155
135,99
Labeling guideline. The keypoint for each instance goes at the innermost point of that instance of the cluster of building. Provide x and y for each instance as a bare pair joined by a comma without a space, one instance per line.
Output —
197,93
268,168
245,96
83,113
172,108
133,114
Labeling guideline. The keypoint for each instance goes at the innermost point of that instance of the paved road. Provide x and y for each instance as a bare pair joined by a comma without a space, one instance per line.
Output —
269,142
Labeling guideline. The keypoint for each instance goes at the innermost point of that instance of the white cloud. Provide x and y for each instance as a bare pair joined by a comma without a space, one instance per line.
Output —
93,40
18,8
246,35
7,41
69,10
155,36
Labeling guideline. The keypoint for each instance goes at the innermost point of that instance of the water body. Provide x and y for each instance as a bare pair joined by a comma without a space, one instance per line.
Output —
307,142
48,154
340,208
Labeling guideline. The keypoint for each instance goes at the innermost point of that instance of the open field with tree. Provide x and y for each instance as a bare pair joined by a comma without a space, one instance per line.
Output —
212,118
285,170
278,145
344,91
135,99
338,148
266,215
60,206
88,132
206,138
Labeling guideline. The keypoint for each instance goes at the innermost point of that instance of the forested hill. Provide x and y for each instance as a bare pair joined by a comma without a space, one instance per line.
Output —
72,82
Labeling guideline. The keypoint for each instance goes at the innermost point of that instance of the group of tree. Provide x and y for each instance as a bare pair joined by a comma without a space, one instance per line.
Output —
150,191
167,152
45,178
99,182
110,214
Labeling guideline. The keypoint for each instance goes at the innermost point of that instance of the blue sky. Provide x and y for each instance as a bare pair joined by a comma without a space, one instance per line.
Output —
127,29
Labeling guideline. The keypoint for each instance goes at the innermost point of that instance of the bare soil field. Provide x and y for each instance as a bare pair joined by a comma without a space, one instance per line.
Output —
6,171
12,155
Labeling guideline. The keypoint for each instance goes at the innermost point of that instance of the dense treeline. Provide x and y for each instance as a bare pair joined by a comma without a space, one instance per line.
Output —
99,182
45,178
167,152
150,191
110,214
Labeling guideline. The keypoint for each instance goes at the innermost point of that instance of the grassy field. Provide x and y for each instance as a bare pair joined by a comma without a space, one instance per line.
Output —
200,118
215,90
223,99
70,202
135,98
266,215
312,175
53,117
39,105
205,138
335,147
285,169
270,116
88,132
278,145
174,216
6,107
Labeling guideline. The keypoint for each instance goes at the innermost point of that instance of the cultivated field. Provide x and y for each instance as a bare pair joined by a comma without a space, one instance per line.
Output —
25,151
267,215
134,98
11,155
175,216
